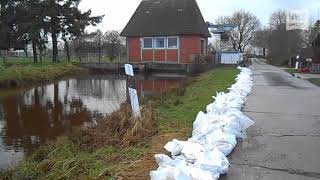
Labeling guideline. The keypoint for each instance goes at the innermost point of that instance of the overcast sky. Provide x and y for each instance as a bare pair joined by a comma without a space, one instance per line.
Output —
118,12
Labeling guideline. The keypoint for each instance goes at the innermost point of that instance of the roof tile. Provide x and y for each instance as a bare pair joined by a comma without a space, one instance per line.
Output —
166,17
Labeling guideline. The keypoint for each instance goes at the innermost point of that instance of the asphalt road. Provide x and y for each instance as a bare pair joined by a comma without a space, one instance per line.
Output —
284,144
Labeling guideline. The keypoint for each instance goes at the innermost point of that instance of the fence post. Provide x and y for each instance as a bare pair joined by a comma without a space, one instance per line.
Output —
132,91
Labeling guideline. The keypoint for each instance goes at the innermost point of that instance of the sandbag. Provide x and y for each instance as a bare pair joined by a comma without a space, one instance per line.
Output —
175,147
214,136
222,141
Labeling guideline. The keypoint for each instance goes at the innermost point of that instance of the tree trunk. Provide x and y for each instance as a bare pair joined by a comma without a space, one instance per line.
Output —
76,50
34,50
67,49
264,52
36,97
99,49
54,48
79,56
25,49
4,56
40,55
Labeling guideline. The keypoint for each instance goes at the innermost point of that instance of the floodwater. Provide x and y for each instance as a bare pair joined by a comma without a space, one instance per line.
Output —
31,117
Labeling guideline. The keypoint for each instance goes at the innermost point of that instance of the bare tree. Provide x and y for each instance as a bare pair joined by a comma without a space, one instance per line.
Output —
278,20
312,32
113,41
247,25
98,39
77,43
261,39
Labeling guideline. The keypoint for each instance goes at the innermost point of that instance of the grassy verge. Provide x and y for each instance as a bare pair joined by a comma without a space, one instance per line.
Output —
315,81
291,70
23,70
91,155
181,107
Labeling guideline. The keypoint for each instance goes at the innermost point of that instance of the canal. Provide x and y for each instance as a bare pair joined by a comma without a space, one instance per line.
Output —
32,116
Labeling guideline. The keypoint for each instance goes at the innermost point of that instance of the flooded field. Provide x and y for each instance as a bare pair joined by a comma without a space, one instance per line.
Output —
32,116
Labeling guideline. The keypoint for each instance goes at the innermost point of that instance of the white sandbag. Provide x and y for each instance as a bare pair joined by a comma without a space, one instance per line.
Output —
163,174
174,170
191,151
201,174
233,126
175,147
213,160
163,160
210,122
222,141
200,125
179,170
214,136
244,121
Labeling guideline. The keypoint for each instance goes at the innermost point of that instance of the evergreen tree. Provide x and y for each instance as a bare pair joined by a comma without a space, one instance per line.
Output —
63,17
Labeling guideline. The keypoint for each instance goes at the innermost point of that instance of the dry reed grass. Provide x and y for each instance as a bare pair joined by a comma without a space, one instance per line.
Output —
118,129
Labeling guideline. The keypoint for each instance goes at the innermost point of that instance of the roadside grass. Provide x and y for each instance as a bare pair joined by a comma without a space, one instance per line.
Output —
291,70
25,70
76,156
176,111
179,108
315,81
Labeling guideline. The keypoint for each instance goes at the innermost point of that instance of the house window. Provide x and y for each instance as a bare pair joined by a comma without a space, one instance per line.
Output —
147,43
160,42
172,42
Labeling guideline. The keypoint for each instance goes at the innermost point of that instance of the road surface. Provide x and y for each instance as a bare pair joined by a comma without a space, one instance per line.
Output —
284,144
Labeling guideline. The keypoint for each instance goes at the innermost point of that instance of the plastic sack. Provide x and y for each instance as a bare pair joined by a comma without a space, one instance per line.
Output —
222,141
166,173
179,170
214,136
163,160
206,123
175,147
191,151
213,160
245,122
201,174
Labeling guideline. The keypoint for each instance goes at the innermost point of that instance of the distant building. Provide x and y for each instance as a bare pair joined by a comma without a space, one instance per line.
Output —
166,31
22,53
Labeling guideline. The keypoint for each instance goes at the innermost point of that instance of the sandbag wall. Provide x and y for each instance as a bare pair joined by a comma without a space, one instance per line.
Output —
214,136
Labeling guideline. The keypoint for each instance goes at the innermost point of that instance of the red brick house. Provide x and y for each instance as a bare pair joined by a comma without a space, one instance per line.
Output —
166,31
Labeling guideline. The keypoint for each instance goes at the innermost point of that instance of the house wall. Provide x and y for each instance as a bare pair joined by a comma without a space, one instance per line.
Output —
188,45
172,55
147,55
134,50
160,55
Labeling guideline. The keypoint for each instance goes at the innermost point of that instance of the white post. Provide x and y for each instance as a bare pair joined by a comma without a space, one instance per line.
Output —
132,92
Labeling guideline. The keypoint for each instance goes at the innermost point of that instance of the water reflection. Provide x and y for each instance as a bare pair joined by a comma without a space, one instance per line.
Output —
31,117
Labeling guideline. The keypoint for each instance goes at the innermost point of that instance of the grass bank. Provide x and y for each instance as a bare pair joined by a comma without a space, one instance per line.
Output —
315,81
18,72
291,70
94,155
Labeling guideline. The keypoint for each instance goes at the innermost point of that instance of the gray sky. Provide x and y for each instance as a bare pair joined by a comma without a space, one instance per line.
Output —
118,12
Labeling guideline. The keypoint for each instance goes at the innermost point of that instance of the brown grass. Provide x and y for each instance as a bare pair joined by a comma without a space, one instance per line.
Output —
140,169
118,129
